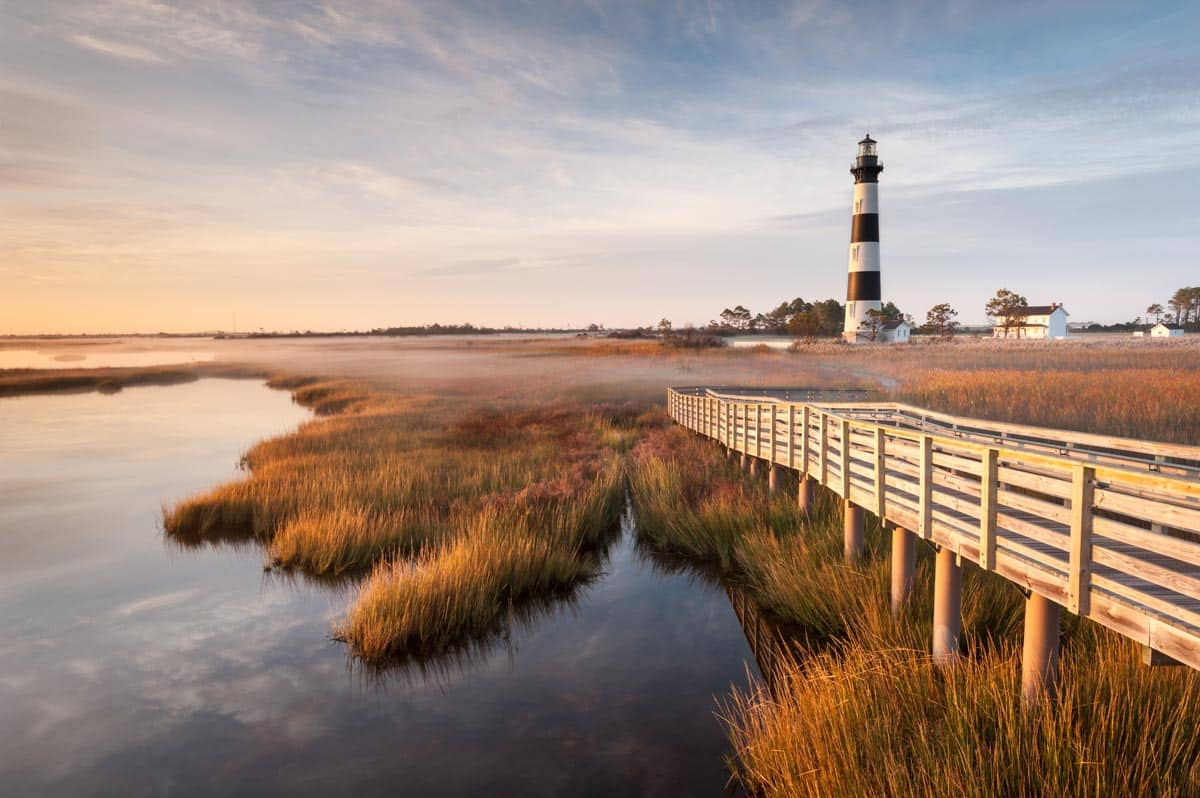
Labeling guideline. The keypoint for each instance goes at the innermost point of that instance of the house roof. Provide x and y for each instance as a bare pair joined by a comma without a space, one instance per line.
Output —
891,325
1166,326
1037,310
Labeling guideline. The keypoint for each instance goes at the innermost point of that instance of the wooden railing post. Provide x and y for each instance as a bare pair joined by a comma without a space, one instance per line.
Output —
773,438
925,509
805,420
791,436
880,472
988,492
845,464
758,436
1082,497
824,452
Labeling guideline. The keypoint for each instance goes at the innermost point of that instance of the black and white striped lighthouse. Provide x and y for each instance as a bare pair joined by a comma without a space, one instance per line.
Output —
863,290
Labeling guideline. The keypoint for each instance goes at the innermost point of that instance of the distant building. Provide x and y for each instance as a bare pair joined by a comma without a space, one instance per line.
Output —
1161,330
1034,322
895,332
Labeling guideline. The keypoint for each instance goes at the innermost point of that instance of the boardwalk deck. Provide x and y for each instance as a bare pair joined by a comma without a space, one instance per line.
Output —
1108,528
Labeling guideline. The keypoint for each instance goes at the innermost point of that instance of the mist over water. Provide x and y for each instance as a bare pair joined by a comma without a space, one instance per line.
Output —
129,666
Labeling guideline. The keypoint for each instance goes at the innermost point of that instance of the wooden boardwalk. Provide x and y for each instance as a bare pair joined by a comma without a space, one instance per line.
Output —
1108,528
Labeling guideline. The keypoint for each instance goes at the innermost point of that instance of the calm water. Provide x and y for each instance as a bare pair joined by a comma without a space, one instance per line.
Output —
129,667
85,357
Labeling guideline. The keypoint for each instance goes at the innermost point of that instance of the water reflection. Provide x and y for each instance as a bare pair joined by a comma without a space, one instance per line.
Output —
78,357
771,643
130,667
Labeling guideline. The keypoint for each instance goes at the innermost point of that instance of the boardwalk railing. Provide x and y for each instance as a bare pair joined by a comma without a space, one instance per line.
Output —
1108,528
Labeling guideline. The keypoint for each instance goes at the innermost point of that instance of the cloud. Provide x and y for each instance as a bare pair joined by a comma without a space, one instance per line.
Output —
472,268
128,51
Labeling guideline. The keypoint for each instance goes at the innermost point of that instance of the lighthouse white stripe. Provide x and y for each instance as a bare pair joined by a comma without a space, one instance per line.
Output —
867,259
866,198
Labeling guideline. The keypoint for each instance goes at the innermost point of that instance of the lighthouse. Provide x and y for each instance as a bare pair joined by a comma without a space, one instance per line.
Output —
863,289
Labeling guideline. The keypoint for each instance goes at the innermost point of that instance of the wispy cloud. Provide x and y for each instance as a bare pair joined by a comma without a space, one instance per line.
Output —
449,141
117,49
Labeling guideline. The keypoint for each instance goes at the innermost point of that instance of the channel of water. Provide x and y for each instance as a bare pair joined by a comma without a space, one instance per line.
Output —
131,667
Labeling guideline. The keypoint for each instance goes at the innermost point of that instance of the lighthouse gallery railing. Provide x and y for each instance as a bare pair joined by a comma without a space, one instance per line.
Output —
1109,528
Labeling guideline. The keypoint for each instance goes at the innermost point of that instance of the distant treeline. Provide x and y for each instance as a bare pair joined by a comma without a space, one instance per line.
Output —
399,332
798,318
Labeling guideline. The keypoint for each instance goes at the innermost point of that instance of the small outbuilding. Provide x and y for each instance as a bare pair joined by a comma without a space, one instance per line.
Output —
1161,330
1034,321
895,332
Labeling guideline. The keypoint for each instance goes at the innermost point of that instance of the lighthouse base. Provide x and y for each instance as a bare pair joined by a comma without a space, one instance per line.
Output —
891,334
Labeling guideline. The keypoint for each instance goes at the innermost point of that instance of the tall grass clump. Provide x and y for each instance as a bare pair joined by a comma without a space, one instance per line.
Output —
864,720
462,590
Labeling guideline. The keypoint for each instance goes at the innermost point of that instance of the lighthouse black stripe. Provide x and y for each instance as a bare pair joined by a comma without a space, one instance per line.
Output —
864,227
863,285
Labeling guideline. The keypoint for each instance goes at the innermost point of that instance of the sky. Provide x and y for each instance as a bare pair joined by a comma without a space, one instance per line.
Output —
175,166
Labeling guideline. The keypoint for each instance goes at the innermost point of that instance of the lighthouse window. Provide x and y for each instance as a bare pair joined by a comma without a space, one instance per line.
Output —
858,206
856,254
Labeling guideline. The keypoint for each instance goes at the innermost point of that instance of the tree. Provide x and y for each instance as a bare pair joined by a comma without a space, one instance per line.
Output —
1155,310
804,324
664,326
1005,309
737,319
1185,304
939,320
830,316
873,323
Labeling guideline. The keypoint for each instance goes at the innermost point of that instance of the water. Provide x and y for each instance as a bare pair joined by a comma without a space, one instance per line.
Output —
129,667
86,357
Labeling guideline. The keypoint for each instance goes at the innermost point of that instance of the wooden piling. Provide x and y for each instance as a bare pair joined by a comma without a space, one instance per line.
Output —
806,495
904,559
947,607
773,478
853,530
1040,649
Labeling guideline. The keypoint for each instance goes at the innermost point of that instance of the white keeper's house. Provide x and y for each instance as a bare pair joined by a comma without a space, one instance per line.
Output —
1033,322
1161,330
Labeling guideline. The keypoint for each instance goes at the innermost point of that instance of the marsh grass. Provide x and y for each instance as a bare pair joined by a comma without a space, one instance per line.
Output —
21,382
458,508
873,720
463,589
1148,403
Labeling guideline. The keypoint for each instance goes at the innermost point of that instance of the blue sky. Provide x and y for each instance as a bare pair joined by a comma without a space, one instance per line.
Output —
348,165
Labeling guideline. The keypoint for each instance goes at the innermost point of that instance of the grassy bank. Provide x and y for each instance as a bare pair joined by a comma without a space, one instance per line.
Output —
21,382
456,506
869,720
